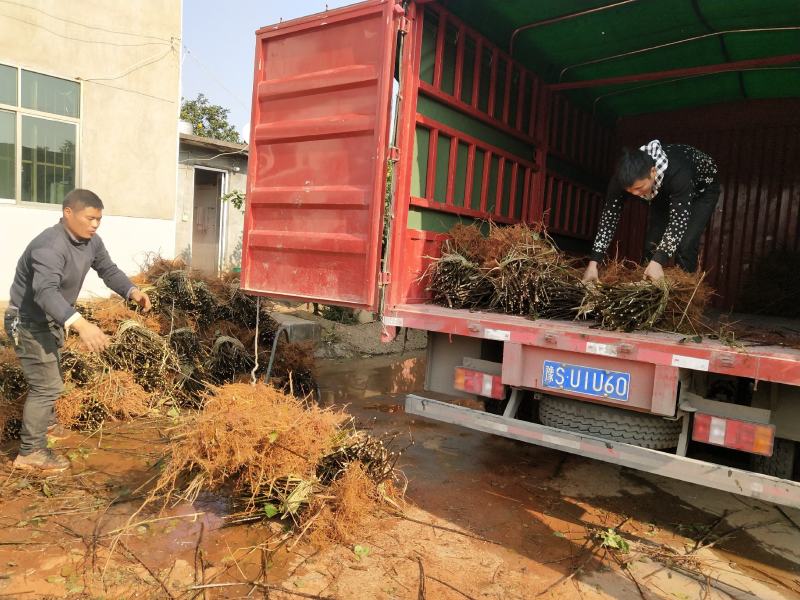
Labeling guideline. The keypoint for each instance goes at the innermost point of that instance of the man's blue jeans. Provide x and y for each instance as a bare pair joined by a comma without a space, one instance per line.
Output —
38,347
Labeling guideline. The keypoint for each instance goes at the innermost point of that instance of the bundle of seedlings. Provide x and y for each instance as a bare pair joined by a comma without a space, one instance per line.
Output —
514,281
79,367
108,313
560,294
227,359
10,418
13,389
529,240
112,395
155,266
293,371
468,241
626,301
12,381
276,454
457,282
630,306
145,355
689,296
531,277
183,299
186,344
530,274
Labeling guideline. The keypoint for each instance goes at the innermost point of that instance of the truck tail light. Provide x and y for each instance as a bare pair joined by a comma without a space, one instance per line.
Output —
755,438
480,383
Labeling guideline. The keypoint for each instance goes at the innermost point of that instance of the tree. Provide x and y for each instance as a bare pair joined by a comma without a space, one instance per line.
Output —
209,120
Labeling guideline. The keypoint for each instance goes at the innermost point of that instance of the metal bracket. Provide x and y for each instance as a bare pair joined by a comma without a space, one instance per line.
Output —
394,153
384,278
513,404
404,26
683,440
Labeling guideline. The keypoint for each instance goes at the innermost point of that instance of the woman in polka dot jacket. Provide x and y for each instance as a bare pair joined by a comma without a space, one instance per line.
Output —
680,185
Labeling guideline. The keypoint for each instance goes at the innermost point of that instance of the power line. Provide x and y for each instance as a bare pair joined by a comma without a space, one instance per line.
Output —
211,73
242,151
136,67
84,41
122,89
93,27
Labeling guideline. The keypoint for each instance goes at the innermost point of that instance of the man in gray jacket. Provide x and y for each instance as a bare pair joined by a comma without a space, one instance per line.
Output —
46,285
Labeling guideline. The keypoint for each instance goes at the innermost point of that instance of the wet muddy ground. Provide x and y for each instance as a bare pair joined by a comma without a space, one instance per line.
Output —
486,517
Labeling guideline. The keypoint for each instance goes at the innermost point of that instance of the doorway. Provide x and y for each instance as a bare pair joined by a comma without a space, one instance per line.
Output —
207,221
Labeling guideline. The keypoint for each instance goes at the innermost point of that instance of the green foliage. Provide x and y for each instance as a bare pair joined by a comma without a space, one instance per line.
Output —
387,202
613,541
360,551
340,314
236,198
209,120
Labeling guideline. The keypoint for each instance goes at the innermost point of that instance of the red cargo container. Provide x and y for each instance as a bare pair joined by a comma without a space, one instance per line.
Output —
513,112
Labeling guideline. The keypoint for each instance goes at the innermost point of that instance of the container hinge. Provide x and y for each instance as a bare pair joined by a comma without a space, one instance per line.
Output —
385,278
404,25
394,153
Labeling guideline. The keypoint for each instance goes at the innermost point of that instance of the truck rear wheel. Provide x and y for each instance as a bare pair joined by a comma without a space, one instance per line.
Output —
647,431
780,464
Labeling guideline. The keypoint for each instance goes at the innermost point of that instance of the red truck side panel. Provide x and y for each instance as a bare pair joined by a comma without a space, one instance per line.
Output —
317,168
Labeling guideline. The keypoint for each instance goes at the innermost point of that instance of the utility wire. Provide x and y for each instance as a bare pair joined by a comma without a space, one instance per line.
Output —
193,160
84,41
138,93
211,73
95,28
136,67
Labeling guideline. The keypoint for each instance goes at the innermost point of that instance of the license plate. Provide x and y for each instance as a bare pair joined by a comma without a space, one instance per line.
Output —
600,383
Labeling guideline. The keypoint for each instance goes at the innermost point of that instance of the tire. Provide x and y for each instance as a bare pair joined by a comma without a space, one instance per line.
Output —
780,464
638,429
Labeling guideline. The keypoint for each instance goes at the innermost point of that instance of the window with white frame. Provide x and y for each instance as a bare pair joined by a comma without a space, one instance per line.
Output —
39,118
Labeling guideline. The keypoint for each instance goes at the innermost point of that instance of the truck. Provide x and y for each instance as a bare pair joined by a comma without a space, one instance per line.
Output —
378,126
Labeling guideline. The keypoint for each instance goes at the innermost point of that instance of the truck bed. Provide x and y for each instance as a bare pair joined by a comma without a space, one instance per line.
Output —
759,362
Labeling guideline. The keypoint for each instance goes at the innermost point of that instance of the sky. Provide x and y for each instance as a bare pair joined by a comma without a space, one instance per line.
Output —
219,45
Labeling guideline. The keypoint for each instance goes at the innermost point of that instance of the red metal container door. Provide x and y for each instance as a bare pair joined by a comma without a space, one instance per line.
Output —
317,169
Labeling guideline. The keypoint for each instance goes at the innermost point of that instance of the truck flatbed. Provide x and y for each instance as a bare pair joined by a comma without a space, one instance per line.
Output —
761,363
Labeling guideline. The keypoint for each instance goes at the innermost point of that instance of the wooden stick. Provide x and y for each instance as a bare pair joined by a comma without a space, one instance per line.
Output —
148,569
263,586
447,585
450,529
565,578
421,590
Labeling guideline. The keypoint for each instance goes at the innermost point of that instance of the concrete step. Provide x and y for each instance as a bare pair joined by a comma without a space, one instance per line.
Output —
297,329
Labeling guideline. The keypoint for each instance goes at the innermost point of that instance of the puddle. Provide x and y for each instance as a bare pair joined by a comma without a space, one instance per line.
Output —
357,380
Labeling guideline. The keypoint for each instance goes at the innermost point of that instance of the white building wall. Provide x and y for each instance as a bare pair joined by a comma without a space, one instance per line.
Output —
128,240
126,57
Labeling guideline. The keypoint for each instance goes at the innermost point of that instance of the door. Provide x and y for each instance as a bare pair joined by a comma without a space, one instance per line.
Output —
206,221
317,171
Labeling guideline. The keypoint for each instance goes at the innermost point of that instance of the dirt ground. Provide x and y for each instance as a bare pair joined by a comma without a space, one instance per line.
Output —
486,518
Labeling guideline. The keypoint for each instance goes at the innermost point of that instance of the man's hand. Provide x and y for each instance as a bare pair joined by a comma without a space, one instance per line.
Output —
140,298
654,271
91,335
591,275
